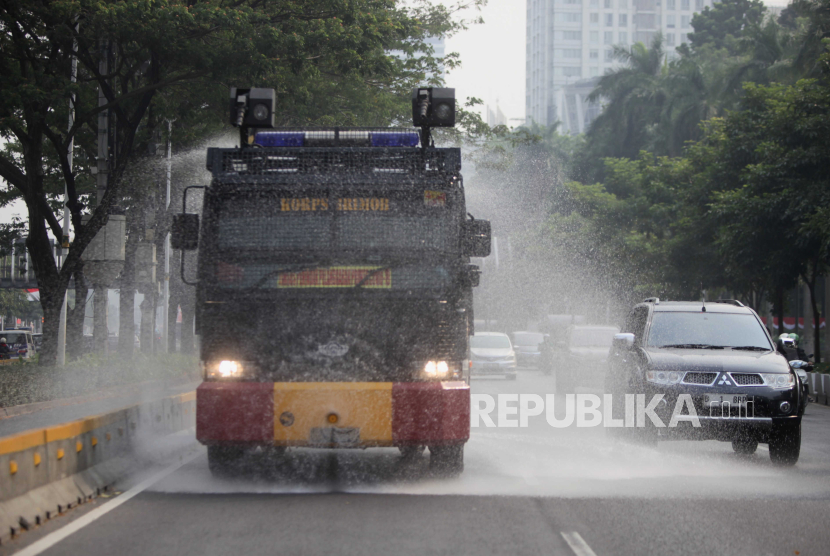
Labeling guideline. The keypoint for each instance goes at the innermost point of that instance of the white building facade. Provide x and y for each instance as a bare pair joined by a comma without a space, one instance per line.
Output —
569,41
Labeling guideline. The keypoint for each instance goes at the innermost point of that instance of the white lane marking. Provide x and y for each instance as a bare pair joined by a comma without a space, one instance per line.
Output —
57,536
577,544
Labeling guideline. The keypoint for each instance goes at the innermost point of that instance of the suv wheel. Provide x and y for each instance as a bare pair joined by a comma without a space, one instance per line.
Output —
744,446
785,445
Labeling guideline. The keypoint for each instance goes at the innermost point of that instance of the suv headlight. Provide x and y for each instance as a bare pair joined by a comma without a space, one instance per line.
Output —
779,380
664,377
226,369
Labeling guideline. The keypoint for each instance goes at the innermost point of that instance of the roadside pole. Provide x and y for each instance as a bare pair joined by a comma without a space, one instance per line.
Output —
166,303
64,241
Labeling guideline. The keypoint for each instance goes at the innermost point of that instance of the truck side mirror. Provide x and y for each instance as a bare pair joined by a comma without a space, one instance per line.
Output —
472,276
477,238
184,233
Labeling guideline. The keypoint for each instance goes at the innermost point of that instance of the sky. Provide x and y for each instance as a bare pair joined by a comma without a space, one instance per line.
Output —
493,58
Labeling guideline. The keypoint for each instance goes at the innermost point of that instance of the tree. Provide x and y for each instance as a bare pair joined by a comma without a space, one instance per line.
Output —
791,172
633,98
163,47
812,59
722,24
691,91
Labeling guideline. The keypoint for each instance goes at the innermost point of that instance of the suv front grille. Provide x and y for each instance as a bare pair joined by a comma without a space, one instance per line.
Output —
747,379
700,378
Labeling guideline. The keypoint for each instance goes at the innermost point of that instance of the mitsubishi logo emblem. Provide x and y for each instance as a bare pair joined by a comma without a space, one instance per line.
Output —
724,380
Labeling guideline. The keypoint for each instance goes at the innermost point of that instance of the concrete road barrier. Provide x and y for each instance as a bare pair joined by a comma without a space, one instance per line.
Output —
45,471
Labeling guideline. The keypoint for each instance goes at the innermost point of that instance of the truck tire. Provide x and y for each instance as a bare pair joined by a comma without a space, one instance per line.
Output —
411,452
223,461
785,445
447,460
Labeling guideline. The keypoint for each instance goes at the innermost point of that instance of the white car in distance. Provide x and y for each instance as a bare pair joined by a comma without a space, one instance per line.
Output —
491,353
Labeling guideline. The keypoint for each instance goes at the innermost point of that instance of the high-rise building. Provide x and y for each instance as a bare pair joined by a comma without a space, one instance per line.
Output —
438,51
569,41
495,117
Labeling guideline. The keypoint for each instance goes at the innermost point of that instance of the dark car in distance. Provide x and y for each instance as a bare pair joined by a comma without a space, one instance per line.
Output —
720,355
527,346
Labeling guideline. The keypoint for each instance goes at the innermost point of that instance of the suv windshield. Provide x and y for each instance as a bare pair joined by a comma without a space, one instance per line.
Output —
706,329
490,342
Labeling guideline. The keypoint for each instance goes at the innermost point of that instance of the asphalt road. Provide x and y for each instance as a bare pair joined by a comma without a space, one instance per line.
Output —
535,490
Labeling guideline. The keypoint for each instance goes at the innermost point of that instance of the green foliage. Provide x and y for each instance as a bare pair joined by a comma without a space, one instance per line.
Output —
634,98
15,303
332,62
722,25
712,166
657,101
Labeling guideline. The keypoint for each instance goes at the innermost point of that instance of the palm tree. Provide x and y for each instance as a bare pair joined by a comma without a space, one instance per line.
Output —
691,97
770,51
633,97
812,46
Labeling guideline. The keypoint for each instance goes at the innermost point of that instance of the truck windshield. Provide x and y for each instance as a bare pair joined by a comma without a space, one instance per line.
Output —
676,329
317,222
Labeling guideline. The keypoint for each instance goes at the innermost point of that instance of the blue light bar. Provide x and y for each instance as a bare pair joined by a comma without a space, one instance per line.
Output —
395,139
279,139
330,138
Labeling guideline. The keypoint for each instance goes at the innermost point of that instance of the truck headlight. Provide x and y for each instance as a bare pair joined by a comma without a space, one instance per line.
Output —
225,370
436,369
779,380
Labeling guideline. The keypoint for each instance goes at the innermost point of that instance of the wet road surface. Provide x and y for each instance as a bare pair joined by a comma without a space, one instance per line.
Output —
534,490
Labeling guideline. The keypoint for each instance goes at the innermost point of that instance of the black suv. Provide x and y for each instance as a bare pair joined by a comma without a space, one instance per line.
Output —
719,354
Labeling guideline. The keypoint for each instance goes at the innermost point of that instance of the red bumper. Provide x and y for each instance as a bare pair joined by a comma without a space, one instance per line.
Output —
386,414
